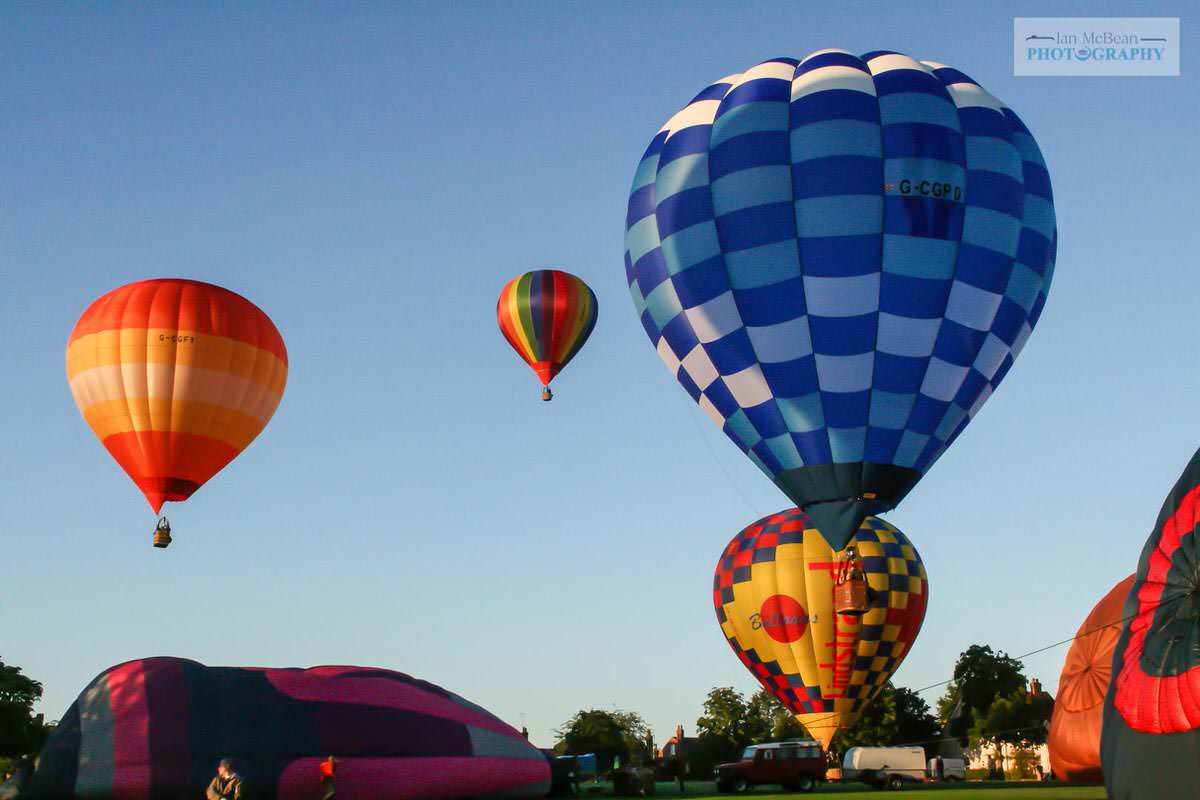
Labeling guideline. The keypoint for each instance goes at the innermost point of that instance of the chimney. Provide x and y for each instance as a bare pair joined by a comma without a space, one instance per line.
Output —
1035,687
678,733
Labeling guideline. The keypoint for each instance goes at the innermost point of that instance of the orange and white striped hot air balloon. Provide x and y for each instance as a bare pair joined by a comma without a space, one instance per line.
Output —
175,378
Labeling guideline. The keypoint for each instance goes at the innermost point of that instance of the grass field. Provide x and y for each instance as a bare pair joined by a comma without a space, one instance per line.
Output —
699,790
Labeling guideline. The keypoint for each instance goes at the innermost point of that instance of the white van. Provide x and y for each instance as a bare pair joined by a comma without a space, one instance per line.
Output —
884,766
953,769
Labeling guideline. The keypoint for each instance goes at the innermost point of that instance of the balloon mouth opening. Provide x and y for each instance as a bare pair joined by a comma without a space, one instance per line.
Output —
164,490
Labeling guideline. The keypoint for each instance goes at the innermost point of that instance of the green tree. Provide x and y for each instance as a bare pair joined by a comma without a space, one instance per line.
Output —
22,732
770,720
980,676
608,734
1020,719
727,718
894,717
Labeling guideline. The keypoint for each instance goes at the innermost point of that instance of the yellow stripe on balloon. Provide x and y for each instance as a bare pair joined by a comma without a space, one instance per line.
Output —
224,424
514,314
124,381
161,346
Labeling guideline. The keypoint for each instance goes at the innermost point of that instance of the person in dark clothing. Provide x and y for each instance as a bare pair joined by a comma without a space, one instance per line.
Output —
940,767
227,785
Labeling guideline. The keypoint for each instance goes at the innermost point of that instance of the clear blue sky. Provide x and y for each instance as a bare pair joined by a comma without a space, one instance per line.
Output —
370,174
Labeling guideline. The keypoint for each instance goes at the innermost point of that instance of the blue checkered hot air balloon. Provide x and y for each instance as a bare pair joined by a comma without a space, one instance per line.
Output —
839,258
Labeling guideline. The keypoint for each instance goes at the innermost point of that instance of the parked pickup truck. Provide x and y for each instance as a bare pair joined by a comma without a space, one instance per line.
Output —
797,766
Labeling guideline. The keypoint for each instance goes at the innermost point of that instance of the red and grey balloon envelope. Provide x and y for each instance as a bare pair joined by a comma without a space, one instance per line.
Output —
157,727
1150,744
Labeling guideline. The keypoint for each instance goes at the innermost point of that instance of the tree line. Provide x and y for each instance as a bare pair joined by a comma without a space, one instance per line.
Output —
22,732
988,700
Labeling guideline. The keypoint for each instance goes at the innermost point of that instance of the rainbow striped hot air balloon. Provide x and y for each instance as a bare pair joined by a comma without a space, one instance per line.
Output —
546,315
175,377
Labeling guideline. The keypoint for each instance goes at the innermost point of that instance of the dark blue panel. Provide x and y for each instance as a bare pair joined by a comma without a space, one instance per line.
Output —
685,142
895,81
846,409
813,446
701,282
656,144
718,394
755,226
1037,179
1007,323
843,336
770,461
923,140
769,305
1005,366
983,268
881,445
1014,120
833,104
796,378
758,149
766,419
995,191
714,92
683,210
755,91
932,448
921,298
832,60
899,374
1033,250
958,344
949,75
688,384
980,121
1035,312
922,216
927,414
731,354
837,175
841,256
651,270
649,327
680,336
641,204
972,385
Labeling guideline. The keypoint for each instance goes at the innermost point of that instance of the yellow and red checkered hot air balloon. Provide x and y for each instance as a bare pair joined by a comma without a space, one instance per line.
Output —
175,377
774,595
